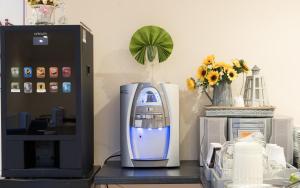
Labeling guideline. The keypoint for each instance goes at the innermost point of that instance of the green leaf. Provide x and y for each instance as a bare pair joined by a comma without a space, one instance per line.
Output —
151,40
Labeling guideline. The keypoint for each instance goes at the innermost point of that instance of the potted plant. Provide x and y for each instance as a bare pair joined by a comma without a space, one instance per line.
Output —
42,11
219,76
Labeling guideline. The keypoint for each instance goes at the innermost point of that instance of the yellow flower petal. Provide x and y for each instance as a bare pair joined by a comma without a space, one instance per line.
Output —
202,72
219,64
245,67
236,63
227,67
209,60
191,84
213,77
232,74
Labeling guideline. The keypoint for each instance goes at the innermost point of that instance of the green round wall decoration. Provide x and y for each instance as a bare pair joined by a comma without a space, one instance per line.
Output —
151,41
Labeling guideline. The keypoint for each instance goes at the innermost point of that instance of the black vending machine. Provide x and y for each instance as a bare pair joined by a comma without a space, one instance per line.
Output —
47,101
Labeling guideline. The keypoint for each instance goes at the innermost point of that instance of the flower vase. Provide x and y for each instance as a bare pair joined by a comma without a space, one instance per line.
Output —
43,14
222,95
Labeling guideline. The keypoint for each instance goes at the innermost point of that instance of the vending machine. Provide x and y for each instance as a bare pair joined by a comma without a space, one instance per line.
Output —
47,101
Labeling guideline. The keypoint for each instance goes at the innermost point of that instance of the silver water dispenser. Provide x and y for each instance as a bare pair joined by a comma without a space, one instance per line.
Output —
149,125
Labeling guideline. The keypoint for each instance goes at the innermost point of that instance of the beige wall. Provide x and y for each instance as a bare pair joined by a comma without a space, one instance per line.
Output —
263,32
13,10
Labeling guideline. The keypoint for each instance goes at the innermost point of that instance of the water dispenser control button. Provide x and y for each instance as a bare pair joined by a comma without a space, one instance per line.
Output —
138,123
159,116
149,109
148,116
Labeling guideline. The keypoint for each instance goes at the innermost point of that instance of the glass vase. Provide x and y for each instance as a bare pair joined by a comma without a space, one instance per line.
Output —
222,95
43,14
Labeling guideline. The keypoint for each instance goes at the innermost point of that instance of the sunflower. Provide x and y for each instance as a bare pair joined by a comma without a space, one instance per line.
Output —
236,63
219,64
213,77
191,84
245,67
201,73
209,60
232,74
227,67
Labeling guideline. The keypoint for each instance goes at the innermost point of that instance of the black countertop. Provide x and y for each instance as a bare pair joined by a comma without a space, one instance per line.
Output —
86,182
113,173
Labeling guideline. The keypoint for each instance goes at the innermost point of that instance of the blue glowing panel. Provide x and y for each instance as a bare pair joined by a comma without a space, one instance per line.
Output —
150,144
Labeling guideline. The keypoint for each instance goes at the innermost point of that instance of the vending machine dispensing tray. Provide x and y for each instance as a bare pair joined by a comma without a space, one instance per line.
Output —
222,111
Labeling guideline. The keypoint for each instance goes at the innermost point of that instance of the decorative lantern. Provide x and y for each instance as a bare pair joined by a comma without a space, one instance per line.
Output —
255,91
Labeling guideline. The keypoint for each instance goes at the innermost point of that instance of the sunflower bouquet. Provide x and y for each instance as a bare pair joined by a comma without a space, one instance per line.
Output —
212,73
43,2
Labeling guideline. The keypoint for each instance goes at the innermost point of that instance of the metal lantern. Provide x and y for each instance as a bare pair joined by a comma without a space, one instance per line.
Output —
255,91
